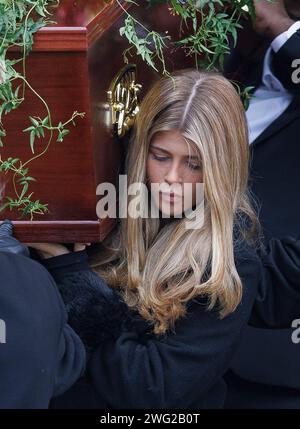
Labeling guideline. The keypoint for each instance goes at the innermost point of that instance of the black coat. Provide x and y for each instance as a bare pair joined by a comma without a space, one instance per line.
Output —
272,378
40,355
130,367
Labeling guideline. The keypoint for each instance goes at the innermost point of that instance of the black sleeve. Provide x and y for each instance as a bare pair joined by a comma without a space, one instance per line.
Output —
136,369
282,63
179,369
278,300
41,356
95,311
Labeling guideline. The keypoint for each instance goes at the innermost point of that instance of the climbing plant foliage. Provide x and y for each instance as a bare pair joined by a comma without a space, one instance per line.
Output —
19,21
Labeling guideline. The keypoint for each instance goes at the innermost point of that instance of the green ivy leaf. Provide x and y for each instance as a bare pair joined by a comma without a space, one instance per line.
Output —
34,121
29,129
45,121
32,138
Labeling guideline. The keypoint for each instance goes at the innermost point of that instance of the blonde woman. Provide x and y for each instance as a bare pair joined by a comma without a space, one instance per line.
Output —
160,305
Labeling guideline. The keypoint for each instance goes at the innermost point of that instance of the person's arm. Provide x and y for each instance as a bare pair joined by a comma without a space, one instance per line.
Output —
278,299
175,371
137,369
182,369
277,302
95,311
41,356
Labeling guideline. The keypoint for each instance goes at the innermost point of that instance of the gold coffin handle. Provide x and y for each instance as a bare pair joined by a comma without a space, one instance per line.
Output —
123,101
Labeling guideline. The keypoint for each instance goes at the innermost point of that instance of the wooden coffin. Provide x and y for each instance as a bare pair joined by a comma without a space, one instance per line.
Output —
72,65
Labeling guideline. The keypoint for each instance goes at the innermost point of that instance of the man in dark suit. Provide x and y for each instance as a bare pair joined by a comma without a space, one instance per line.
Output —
40,355
265,372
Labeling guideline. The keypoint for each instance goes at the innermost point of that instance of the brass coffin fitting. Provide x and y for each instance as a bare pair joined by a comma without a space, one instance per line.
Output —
122,97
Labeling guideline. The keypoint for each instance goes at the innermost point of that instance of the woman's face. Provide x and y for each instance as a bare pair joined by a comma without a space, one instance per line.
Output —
172,162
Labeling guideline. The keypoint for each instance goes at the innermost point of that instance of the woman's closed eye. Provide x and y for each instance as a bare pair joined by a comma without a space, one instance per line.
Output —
193,166
160,158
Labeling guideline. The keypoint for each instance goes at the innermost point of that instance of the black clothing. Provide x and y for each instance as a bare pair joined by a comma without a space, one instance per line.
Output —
130,367
275,183
40,355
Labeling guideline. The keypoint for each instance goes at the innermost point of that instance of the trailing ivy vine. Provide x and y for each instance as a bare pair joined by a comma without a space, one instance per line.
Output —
207,28
19,21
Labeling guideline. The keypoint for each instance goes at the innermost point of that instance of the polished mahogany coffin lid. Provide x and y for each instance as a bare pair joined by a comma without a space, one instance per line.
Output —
71,66
66,176
78,24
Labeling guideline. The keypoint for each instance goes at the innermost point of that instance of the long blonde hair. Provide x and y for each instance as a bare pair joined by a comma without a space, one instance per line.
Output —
158,270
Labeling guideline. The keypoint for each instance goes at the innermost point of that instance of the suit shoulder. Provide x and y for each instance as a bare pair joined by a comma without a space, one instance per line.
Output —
19,270
20,262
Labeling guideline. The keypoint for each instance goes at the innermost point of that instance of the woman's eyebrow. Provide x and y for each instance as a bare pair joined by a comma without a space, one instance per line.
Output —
169,153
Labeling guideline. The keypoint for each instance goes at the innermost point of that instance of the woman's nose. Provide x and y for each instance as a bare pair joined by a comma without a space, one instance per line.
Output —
173,174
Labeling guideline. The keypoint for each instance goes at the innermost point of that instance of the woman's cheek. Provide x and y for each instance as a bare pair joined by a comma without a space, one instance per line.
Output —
154,172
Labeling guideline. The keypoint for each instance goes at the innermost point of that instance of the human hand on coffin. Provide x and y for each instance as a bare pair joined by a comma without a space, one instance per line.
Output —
272,18
48,250
8,243
95,311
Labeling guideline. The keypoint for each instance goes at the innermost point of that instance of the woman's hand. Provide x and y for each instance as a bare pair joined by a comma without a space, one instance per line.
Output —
48,250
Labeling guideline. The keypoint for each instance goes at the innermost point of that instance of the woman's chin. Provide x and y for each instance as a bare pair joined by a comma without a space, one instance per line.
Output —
171,213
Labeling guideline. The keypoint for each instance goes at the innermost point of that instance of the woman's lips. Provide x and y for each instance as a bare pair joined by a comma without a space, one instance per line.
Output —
170,197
